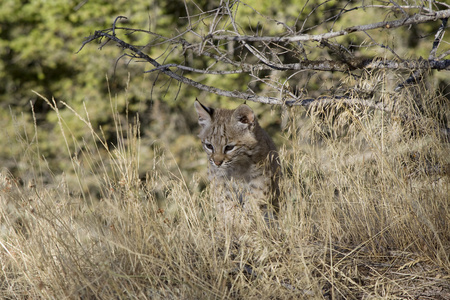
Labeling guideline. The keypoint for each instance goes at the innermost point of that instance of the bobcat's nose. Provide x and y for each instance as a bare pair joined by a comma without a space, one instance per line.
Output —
218,159
218,162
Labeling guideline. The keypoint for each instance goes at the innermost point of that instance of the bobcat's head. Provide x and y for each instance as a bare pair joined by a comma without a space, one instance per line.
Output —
227,135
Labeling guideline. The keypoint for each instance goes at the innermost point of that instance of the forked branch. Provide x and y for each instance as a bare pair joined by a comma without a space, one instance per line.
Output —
210,47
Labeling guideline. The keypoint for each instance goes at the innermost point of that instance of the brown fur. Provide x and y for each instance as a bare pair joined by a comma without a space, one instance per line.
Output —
243,160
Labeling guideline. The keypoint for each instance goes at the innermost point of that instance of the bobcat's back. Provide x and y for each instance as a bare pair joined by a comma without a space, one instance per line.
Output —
243,159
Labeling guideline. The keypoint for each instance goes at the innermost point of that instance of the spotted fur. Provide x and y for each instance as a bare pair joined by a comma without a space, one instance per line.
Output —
243,160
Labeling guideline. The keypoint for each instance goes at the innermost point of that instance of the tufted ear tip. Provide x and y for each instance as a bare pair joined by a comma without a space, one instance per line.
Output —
204,113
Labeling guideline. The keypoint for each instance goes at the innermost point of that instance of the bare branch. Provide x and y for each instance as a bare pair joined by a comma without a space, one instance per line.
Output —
437,39
114,23
226,50
235,94
444,54
201,71
182,79
327,65
415,19
417,75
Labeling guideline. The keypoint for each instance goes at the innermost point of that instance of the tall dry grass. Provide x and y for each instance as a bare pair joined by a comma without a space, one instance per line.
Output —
366,215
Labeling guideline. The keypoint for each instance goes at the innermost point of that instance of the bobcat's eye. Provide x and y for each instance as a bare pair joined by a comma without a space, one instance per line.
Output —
228,148
209,146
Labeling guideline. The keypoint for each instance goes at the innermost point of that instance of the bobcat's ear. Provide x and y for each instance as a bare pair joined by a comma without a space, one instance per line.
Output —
245,116
204,113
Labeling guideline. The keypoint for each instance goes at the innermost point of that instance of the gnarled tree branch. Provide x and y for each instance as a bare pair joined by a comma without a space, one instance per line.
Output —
268,52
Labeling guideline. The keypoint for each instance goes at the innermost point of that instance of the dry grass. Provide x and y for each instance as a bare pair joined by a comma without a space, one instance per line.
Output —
366,216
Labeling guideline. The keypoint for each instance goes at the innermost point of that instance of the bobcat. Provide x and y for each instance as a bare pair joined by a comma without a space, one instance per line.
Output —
243,160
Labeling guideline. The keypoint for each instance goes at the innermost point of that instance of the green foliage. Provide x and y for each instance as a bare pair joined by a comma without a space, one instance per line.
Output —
39,41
